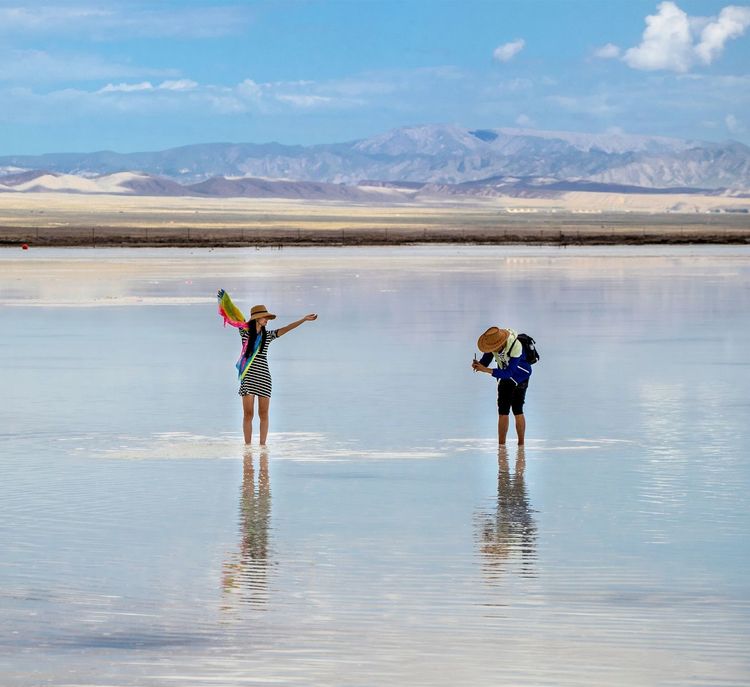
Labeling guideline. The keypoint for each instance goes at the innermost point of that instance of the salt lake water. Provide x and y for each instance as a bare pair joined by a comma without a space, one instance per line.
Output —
383,539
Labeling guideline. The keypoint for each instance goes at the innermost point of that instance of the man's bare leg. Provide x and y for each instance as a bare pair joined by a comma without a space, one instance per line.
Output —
502,429
521,428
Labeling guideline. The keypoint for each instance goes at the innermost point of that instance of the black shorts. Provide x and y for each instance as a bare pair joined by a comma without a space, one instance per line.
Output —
510,395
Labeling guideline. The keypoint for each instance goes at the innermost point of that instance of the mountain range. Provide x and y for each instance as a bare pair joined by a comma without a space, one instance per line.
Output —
434,159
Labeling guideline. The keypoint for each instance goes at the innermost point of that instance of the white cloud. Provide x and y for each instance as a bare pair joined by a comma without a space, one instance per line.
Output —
249,89
518,88
518,85
674,41
184,22
507,51
38,66
249,96
655,103
732,23
148,97
598,105
734,125
42,19
607,52
111,21
305,101
667,42
178,85
524,121
375,86
126,87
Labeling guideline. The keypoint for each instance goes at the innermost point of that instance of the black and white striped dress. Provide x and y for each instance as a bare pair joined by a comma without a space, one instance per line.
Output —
257,381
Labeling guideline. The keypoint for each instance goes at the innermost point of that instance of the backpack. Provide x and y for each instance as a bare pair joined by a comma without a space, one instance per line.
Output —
529,348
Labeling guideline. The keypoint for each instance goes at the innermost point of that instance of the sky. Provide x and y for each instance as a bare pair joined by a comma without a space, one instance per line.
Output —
128,76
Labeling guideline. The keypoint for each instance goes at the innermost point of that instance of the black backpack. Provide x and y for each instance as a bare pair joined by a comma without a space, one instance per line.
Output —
529,348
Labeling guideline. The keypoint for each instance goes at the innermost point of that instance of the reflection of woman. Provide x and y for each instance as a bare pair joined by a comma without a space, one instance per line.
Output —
511,530
252,367
250,565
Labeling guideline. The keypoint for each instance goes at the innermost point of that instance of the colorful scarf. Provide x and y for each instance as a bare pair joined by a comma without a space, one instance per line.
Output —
233,315
230,312
243,365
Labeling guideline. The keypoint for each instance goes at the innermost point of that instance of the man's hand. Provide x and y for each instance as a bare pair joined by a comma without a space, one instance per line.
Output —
478,367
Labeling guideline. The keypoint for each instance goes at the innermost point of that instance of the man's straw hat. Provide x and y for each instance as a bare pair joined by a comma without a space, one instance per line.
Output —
492,340
258,311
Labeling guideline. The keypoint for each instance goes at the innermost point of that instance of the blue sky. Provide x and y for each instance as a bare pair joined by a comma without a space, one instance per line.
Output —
128,76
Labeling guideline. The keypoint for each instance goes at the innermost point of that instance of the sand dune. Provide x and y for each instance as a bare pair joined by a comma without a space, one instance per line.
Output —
71,183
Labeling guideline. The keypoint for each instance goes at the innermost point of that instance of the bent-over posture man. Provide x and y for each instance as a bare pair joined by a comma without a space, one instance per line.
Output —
512,373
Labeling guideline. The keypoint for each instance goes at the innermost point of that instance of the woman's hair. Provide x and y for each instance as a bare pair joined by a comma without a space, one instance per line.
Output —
251,330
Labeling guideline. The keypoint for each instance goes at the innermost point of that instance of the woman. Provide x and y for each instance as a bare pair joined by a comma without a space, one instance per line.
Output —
252,367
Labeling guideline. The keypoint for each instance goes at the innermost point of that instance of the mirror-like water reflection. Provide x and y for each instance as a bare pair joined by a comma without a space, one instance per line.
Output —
508,534
245,575
382,538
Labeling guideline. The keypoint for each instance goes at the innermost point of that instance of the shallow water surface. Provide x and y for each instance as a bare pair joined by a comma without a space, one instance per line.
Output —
383,538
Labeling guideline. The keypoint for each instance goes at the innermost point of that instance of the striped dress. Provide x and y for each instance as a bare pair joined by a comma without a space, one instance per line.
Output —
257,381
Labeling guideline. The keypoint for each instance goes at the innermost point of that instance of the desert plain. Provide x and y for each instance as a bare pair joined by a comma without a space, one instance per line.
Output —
66,219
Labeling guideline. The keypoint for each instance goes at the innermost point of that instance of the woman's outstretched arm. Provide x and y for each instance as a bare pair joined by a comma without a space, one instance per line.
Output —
307,318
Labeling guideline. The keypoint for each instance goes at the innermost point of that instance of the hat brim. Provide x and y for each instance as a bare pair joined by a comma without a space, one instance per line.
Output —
267,315
494,341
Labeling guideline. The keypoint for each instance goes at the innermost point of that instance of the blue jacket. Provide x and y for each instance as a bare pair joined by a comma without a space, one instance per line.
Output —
517,370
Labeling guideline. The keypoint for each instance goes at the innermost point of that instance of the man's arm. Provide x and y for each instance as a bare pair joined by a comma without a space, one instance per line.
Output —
486,359
518,370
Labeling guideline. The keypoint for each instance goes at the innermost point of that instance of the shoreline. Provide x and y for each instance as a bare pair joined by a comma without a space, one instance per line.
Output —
228,238
626,230
60,220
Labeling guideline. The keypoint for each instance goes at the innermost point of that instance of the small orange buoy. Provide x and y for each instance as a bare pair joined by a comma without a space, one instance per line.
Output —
25,246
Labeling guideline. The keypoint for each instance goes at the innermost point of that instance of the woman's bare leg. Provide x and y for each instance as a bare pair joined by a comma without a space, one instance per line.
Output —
248,403
521,428
263,405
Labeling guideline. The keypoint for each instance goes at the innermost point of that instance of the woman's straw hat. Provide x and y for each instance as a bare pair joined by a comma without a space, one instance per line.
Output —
492,340
258,311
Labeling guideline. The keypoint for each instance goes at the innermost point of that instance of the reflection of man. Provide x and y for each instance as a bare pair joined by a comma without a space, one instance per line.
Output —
511,530
249,568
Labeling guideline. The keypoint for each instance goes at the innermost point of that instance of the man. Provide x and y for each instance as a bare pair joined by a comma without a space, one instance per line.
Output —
512,373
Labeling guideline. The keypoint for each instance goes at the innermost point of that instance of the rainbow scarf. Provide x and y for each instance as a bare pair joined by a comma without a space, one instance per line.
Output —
243,365
233,315
230,312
